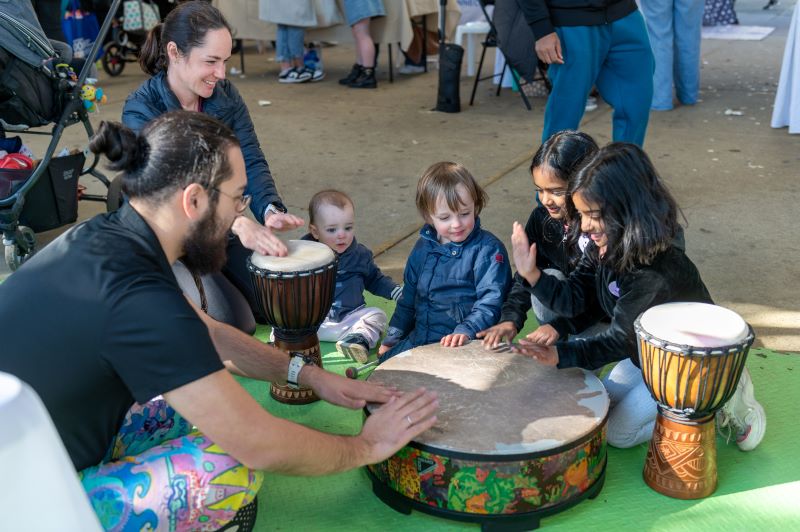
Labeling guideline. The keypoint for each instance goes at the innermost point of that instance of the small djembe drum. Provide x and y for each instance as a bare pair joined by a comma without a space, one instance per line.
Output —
515,441
294,295
691,355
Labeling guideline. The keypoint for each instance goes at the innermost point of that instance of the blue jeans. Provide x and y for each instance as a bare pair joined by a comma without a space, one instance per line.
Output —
674,27
617,59
632,413
289,43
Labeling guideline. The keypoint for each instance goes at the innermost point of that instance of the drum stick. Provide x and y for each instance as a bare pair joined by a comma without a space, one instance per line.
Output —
354,372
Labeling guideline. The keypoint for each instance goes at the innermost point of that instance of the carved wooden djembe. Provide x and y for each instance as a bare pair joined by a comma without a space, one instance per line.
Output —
691,355
294,294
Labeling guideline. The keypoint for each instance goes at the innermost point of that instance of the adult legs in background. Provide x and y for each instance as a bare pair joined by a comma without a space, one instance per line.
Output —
160,475
290,51
625,80
583,48
632,414
660,27
365,56
365,46
688,22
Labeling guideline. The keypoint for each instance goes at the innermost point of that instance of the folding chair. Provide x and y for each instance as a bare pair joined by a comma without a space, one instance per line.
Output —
491,42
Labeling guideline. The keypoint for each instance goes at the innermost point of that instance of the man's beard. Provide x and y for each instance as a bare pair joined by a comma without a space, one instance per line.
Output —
204,248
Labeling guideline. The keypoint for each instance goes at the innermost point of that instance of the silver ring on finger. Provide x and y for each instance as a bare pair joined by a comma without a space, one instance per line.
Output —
408,418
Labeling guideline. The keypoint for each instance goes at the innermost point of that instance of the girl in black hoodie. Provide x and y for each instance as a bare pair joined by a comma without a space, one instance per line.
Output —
631,264
552,169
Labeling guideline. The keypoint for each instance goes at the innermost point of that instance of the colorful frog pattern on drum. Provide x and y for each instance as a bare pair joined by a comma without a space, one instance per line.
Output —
489,488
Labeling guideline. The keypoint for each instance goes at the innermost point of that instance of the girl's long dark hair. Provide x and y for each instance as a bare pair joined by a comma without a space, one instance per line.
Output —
639,212
563,154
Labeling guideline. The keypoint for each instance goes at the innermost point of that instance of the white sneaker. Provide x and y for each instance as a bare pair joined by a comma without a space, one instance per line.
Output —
743,414
591,104
295,76
318,75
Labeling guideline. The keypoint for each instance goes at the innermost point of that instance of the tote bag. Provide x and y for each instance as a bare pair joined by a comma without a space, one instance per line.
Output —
80,29
139,15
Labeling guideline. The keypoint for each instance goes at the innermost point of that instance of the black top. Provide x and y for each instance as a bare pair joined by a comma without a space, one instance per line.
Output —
96,321
672,277
543,15
552,252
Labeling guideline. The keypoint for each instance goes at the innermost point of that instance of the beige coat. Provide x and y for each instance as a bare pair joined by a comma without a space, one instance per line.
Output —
303,13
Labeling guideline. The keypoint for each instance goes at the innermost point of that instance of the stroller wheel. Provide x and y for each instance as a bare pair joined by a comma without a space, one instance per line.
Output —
22,249
113,59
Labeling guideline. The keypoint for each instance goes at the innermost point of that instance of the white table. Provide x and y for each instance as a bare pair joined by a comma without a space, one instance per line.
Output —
39,488
787,100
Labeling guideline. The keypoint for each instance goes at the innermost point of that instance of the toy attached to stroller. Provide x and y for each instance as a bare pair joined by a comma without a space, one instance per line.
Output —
35,91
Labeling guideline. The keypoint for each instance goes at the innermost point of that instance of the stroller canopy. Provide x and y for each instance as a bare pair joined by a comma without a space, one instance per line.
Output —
21,35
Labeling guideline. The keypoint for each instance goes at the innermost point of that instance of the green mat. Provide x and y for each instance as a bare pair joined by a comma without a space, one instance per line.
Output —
759,490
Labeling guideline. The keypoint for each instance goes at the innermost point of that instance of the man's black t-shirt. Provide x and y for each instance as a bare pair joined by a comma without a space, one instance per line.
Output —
96,321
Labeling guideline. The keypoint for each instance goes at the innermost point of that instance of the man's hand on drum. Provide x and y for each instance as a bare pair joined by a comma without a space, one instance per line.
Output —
282,221
503,332
544,354
454,340
393,424
544,335
341,391
524,255
258,238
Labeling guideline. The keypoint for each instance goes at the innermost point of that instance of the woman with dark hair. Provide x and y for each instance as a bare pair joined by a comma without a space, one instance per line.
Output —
553,167
186,56
631,264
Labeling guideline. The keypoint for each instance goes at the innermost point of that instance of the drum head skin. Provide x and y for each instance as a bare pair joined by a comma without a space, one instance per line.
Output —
303,255
494,403
694,324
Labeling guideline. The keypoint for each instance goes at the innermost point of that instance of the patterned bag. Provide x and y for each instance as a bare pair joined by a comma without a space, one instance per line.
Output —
140,15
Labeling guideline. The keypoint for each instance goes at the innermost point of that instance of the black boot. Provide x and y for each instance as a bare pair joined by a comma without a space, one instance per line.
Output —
365,80
352,76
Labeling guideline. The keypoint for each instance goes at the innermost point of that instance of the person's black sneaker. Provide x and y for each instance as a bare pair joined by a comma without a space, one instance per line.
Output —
352,76
365,80
355,346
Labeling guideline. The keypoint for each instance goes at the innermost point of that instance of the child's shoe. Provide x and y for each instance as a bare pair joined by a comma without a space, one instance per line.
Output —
355,346
743,414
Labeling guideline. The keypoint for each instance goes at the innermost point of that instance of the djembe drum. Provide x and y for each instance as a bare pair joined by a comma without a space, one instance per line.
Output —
515,440
294,295
691,355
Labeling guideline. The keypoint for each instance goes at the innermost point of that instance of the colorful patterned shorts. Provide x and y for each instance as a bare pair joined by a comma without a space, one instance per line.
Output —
161,475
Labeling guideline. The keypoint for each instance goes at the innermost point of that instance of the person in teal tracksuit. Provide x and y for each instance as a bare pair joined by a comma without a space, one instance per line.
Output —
588,43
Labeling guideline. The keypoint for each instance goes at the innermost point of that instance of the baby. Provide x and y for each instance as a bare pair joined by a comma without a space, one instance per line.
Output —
354,327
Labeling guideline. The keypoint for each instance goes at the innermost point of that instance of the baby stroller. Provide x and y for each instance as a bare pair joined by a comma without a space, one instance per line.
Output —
35,92
123,47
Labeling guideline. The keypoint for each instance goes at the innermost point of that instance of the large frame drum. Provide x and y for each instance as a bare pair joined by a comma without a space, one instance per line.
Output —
691,355
515,441
294,294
